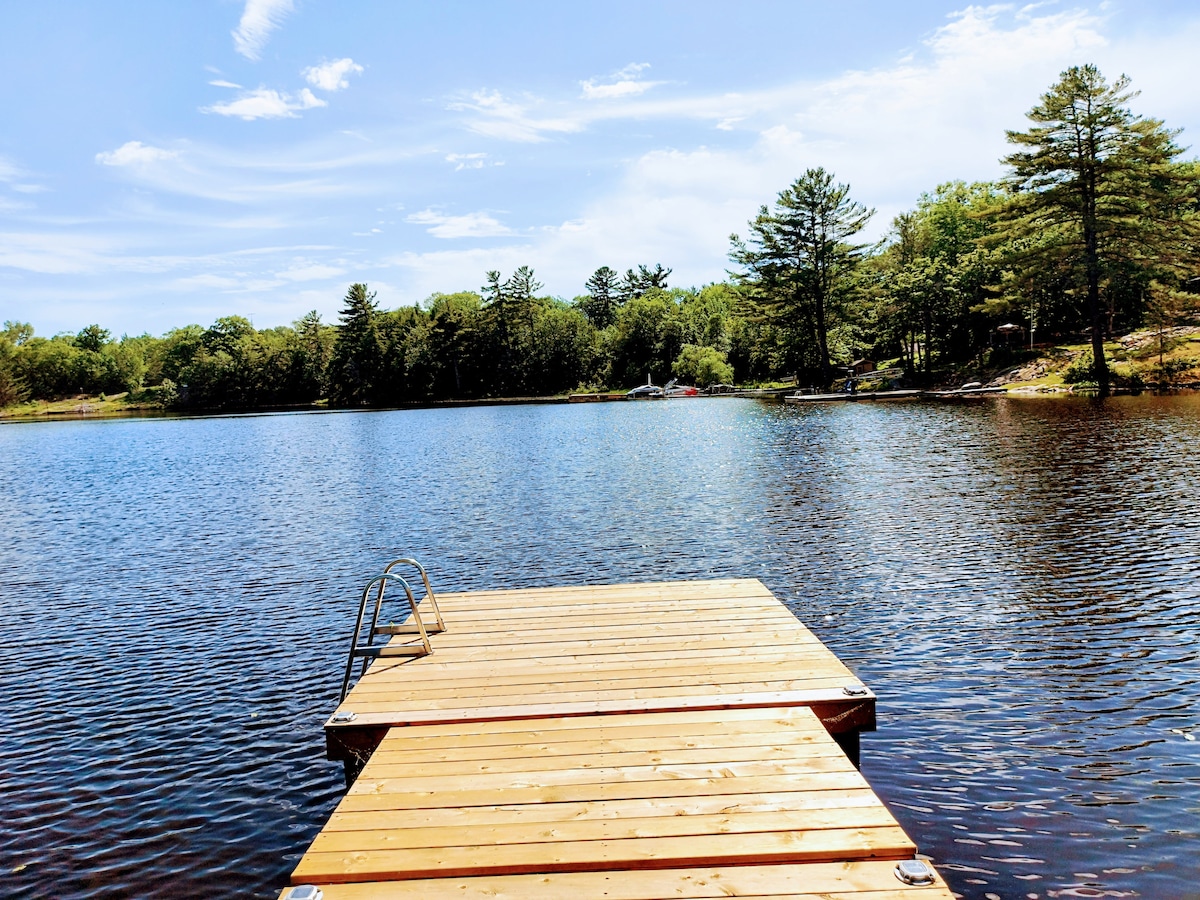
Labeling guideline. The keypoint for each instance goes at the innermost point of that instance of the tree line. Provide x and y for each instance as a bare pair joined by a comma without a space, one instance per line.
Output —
1093,231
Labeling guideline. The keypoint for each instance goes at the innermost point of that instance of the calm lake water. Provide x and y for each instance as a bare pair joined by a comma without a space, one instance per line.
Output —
1018,580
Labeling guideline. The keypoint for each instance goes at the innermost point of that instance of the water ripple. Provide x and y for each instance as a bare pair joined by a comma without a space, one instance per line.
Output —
1019,581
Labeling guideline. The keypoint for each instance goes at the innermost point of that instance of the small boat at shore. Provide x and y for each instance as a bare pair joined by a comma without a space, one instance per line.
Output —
647,391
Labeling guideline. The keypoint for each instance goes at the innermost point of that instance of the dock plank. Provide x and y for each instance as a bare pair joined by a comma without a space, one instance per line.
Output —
581,856
866,880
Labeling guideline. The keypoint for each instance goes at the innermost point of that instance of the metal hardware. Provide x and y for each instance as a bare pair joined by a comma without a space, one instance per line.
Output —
304,892
855,690
915,871
437,628
368,652
343,718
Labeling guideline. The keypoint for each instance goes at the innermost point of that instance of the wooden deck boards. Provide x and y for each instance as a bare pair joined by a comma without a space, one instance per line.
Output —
600,800
618,741
603,650
814,881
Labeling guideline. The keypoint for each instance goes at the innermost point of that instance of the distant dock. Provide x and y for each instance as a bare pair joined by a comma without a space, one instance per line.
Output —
844,397
631,742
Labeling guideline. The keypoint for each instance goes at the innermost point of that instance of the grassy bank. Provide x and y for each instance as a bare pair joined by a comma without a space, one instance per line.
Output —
1141,359
83,406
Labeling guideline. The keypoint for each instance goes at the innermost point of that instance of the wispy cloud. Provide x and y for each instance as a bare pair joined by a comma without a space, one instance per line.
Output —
623,83
471,161
983,51
222,83
259,19
9,170
466,160
265,103
134,153
332,76
471,225
499,117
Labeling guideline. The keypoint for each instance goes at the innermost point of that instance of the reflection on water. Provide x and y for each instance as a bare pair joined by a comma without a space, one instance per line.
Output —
1018,580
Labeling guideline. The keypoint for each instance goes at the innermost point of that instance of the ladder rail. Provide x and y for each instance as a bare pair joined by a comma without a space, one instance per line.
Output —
358,623
440,625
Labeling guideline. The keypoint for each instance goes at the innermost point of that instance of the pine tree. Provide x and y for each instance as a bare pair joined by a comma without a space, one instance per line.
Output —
602,297
798,261
641,282
1095,190
357,352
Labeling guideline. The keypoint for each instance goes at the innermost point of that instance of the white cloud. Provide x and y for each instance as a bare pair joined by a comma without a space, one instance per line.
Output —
331,76
471,225
470,161
134,153
624,83
265,103
259,19
222,83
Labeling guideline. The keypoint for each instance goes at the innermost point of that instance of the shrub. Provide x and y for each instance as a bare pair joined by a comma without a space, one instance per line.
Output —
1079,370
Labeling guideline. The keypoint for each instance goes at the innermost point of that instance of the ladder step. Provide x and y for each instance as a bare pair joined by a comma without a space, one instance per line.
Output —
386,650
407,629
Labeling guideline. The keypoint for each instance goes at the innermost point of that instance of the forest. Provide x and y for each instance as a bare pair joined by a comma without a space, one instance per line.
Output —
1093,231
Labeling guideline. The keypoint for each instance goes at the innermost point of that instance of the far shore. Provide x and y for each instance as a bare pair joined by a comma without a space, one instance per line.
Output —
97,408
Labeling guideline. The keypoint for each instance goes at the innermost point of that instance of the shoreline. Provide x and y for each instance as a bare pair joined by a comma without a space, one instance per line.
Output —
80,414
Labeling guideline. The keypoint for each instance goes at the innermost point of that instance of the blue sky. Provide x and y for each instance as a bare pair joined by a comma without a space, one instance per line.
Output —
169,163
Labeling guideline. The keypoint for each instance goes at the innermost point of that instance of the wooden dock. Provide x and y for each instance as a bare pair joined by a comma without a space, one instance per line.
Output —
843,397
638,741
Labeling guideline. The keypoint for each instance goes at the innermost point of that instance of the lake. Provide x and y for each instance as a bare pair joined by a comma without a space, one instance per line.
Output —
1018,580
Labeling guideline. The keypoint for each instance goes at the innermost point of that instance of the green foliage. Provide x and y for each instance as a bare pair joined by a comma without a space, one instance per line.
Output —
931,285
1082,369
92,338
16,333
702,366
12,390
640,345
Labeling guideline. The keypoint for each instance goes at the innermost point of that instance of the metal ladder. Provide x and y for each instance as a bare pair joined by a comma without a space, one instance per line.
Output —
370,650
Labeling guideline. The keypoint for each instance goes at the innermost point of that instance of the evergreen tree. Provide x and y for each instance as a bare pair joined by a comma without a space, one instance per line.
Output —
1095,189
639,283
310,360
602,297
357,353
454,318
799,264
